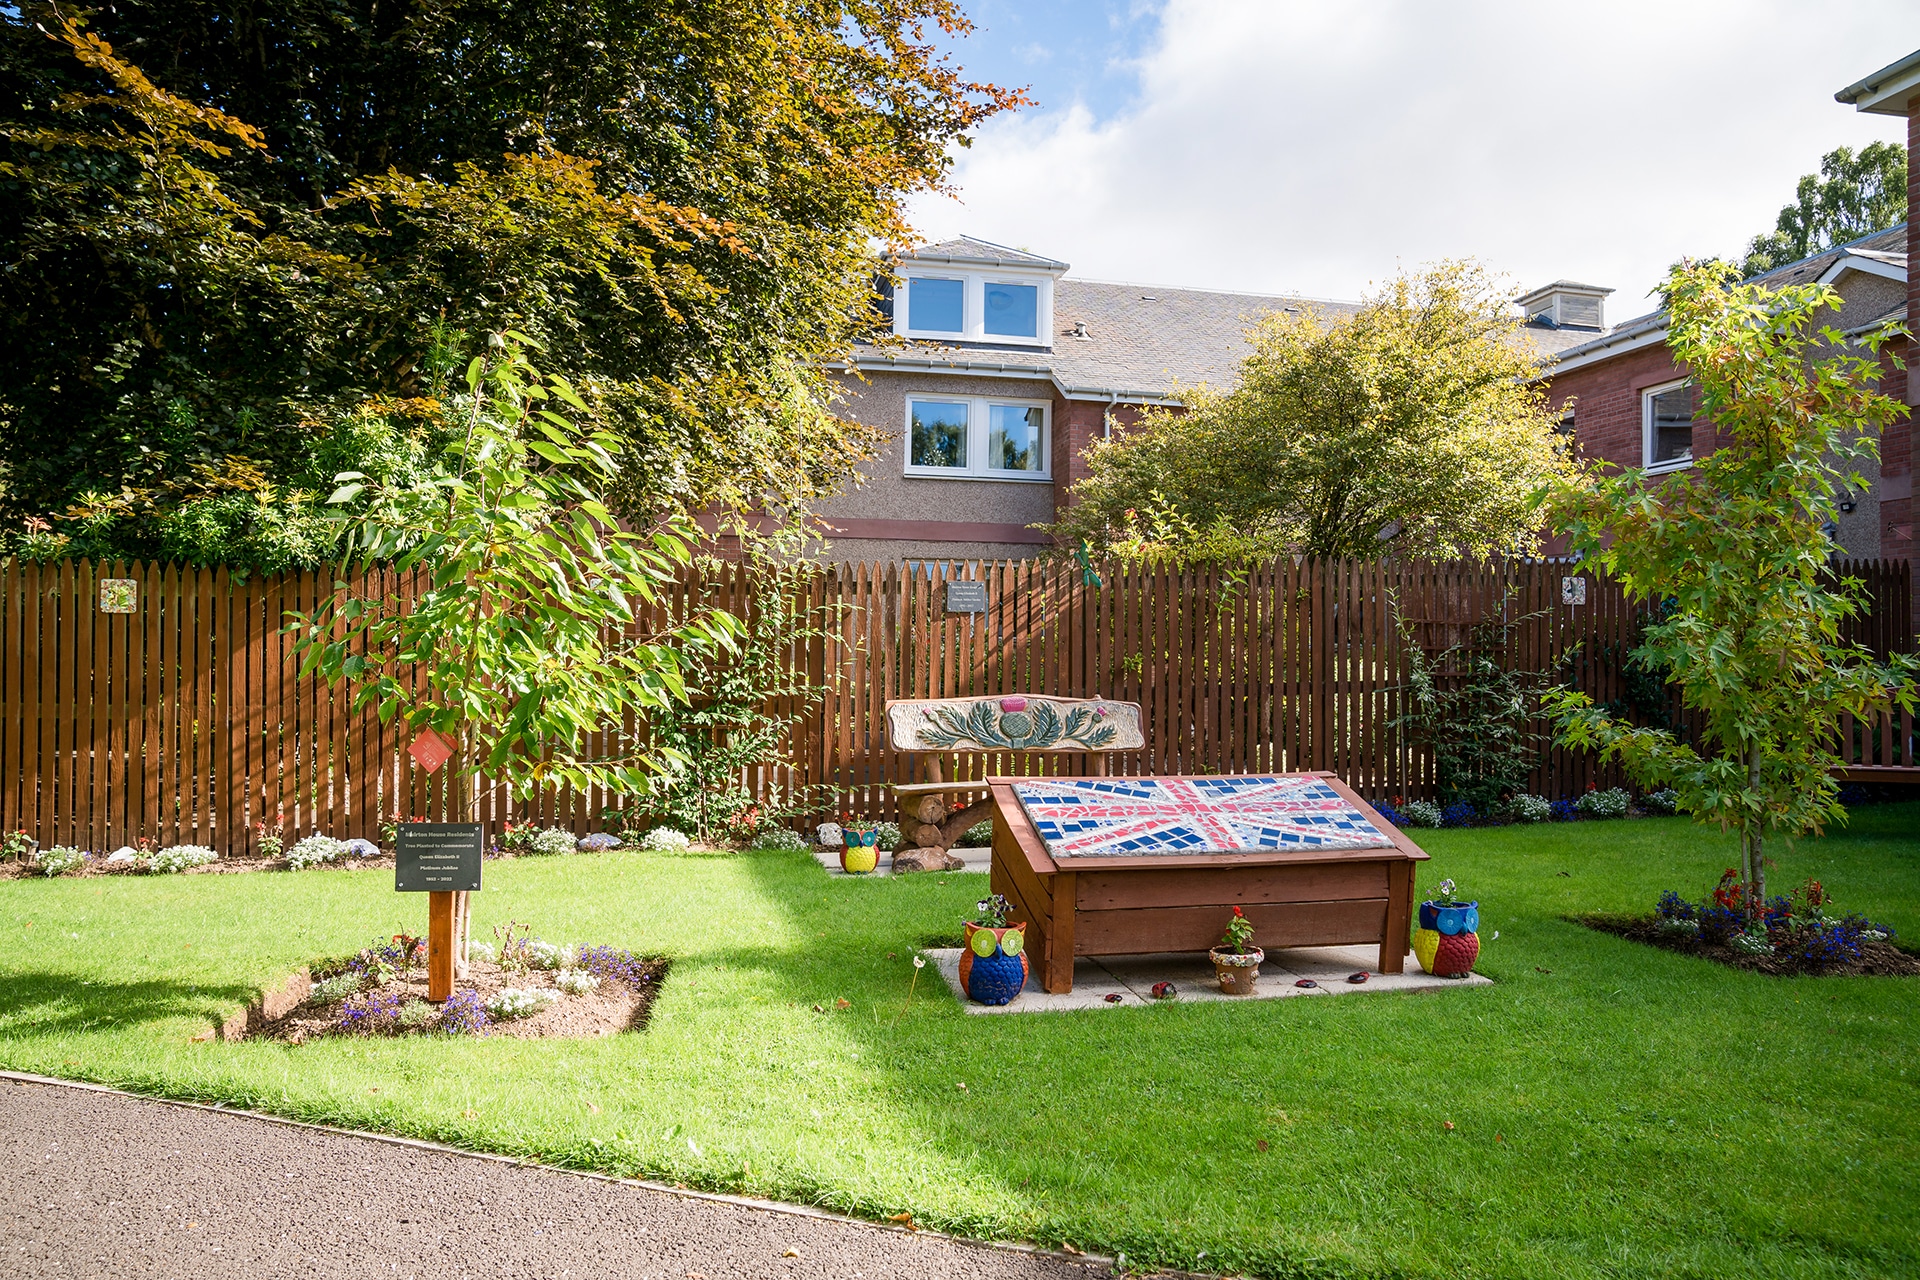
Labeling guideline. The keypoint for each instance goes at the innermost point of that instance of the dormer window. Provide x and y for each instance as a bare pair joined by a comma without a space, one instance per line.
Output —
1013,310
968,290
937,305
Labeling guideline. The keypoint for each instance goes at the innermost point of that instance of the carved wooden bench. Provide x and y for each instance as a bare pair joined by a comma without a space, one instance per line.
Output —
934,814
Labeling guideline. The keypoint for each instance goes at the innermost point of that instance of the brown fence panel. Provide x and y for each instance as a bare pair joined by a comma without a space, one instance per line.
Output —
186,722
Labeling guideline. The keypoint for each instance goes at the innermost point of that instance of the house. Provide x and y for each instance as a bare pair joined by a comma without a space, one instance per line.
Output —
1632,405
1001,370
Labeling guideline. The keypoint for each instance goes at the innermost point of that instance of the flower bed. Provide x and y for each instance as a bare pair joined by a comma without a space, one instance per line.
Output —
1794,934
524,988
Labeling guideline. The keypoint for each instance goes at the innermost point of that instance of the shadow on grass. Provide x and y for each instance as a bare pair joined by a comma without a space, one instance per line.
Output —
48,1002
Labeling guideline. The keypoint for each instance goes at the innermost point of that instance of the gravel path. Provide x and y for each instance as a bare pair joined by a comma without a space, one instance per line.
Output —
100,1184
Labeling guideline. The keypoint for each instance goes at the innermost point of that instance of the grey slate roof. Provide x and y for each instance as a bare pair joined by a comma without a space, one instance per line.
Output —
971,250
1143,342
1887,246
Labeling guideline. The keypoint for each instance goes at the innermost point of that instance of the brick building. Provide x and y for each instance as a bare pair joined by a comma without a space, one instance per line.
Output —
1633,406
1895,90
1001,372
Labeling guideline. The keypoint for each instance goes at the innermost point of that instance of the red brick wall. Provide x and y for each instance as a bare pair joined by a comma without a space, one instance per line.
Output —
1902,517
1606,415
1076,425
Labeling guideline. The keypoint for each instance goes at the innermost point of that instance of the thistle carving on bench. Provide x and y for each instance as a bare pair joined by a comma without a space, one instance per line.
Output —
1016,723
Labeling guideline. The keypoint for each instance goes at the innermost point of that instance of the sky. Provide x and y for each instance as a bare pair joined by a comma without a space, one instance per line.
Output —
1318,148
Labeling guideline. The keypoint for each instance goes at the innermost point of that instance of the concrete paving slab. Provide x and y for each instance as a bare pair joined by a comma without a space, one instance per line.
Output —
1133,978
977,860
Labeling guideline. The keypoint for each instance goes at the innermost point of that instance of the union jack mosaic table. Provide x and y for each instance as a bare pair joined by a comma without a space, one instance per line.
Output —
1140,817
1127,866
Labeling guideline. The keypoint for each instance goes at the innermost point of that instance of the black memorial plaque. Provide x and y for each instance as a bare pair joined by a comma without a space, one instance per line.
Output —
966,597
436,857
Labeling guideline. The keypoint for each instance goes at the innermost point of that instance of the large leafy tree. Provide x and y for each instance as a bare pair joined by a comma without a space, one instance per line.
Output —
1734,554
1414,422
1854,194
226,223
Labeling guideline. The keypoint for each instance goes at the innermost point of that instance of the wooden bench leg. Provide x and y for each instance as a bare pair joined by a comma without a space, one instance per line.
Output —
1393,947
1058,977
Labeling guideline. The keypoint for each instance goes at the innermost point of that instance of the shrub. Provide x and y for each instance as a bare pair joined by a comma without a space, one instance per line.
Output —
663,839
1667,801
979,835
517,1002
313,851
464,1014
889,837
575,982
1611,803
1419,813
1524,808
554,840
338,987
61,859
780,838
414,1014
179,858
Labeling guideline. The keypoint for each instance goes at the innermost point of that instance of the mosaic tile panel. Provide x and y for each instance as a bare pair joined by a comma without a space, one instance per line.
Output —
1143,817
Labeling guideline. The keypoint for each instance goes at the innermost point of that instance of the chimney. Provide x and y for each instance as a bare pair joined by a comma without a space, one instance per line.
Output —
1566,305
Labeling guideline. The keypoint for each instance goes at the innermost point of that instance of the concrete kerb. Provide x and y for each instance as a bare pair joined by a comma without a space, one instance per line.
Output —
686,1193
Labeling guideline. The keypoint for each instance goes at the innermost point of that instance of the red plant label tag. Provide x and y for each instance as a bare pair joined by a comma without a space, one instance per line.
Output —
430,750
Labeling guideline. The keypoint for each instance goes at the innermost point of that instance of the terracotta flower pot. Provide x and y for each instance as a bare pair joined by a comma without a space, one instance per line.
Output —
1237,970
993,962
860,853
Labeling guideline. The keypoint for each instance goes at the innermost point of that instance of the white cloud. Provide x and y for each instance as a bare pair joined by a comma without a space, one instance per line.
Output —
1315,147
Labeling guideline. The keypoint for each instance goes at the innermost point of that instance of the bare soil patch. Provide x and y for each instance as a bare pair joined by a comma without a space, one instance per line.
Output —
1878,959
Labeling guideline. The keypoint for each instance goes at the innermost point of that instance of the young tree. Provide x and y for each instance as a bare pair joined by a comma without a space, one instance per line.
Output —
1852,195
1416,417
528,637
1734,552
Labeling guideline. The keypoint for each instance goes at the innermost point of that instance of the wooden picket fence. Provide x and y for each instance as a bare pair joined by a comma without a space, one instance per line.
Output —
185,721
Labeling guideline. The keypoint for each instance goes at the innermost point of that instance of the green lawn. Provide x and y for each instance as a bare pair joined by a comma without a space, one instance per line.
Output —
1617,1110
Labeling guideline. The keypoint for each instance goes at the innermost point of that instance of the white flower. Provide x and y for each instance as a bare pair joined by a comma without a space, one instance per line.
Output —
919,962
575,982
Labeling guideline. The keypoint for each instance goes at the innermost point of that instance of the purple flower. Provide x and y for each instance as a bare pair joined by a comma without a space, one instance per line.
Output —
465,1013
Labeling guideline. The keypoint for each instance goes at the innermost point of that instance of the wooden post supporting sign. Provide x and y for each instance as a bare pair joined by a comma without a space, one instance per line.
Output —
442,860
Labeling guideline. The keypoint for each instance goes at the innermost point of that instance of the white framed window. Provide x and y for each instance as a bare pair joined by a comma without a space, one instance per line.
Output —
1011,310
937,304
1666,426
978,438
954,303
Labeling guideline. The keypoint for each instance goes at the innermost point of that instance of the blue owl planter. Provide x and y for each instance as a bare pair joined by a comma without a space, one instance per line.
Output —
1447,920
993,963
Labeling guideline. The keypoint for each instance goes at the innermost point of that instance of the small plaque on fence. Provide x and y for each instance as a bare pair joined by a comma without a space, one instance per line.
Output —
1573,591
966,597
430,750
436,857
119,595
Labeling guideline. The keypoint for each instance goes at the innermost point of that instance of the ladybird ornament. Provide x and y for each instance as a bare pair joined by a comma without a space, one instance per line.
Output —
993,963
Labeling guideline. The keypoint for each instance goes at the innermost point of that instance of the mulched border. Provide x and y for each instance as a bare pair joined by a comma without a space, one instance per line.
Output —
612,1009
1877,959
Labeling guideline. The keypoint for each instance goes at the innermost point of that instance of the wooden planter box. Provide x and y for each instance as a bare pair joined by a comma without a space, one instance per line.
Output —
1180,901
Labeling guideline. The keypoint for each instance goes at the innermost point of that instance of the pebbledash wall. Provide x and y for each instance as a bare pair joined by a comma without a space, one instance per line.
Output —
890,515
